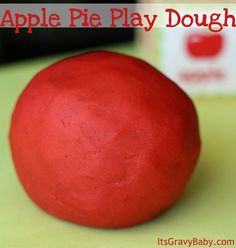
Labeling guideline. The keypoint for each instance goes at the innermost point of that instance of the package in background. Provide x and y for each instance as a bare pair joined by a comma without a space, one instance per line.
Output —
200,61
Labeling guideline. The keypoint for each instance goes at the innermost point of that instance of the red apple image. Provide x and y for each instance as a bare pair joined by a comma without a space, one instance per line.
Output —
204,45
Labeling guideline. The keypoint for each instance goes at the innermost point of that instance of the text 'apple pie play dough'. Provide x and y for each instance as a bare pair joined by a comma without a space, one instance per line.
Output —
103,139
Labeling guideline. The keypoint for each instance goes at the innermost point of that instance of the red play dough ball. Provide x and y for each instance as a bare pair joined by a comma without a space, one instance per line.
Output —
103,139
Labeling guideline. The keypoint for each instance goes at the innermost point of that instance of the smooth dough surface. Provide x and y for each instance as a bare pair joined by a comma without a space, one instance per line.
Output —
103,139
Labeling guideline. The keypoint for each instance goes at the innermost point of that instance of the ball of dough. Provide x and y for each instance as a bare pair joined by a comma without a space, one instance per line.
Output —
104,140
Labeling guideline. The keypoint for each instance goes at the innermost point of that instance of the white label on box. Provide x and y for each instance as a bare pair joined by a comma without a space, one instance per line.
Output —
201,62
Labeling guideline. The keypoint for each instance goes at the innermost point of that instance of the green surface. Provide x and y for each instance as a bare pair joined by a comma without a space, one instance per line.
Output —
206,210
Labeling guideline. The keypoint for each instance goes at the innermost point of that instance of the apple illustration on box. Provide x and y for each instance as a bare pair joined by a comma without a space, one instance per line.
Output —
201,45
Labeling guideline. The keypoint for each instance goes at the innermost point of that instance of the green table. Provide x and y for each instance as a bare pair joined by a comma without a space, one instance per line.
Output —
206,210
